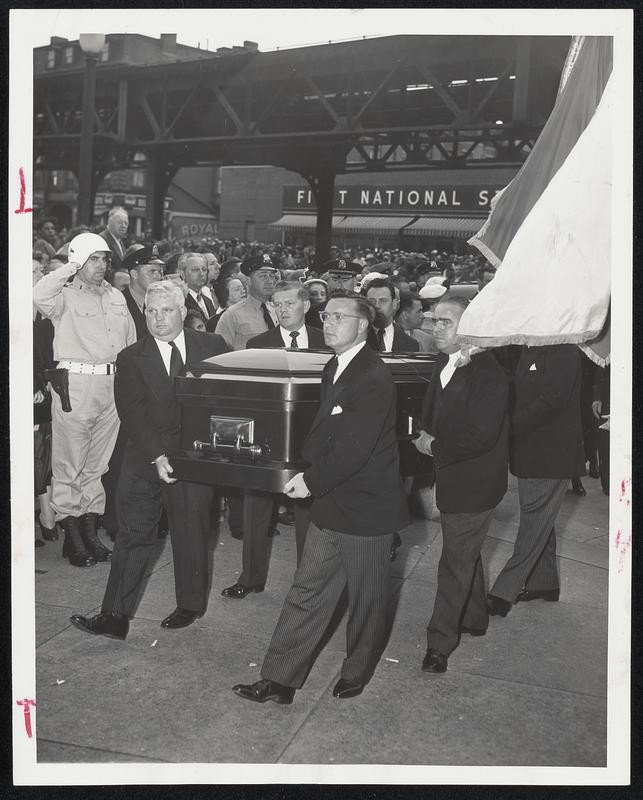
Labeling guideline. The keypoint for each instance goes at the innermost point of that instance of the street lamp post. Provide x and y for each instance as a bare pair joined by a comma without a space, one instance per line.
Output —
91,44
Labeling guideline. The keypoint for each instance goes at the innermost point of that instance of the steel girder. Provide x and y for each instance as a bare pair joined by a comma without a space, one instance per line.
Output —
401,102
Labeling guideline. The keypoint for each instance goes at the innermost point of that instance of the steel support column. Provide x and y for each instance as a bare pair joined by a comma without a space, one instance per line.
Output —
158,176
323,187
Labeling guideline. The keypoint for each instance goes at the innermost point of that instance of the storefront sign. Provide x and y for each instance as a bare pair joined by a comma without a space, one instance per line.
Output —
350,199
187,226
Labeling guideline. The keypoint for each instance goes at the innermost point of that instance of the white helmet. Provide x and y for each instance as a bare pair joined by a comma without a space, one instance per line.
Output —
82,246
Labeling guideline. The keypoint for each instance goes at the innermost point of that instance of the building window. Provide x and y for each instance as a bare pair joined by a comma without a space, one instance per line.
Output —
51,59
69,55
104,54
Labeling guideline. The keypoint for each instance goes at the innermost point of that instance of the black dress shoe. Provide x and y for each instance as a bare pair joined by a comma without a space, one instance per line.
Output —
286,517
395,545
264,690
38,542
49,534
578,488
344,689
238,591
551,595
114,626
593,470
472,631
180,618
434,661
497,607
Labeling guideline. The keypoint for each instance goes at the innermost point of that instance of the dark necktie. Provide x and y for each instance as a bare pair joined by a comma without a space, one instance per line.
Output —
266,315
176,362
379,335
293,340
332,369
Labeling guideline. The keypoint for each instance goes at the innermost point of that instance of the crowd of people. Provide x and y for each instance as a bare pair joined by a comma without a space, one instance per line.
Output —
115,322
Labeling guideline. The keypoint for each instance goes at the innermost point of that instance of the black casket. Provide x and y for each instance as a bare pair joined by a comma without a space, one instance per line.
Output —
245,415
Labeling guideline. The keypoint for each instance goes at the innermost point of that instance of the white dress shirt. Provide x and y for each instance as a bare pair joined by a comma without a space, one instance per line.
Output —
449,368
302,339
166,351
345,359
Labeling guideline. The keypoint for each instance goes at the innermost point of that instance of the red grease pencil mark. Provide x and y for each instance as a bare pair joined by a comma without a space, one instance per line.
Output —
22,209
27,713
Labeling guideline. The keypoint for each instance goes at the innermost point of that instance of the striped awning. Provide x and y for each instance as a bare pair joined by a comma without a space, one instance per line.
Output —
374,225
446,227
299,222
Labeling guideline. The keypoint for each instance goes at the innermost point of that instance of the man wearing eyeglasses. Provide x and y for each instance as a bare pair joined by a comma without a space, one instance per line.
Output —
466,430
358,503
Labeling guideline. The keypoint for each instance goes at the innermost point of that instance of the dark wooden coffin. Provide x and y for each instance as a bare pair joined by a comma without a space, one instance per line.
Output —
245,415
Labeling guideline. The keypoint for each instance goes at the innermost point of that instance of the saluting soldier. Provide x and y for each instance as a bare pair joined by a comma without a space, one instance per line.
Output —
92,325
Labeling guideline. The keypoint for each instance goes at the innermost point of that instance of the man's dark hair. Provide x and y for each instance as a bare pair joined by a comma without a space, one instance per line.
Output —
407,301
453,300
44,221
380,283
364,308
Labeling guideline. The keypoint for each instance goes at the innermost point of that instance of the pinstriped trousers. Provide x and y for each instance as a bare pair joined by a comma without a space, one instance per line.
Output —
533,562
332,561
139,503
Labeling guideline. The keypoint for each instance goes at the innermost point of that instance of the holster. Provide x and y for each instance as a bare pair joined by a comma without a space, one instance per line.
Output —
59,380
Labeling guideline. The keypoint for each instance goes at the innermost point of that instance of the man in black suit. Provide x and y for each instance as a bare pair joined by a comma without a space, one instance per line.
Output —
358,503
291,301
387,336
144,393
144,267
546,451
466,430
194,268
114,234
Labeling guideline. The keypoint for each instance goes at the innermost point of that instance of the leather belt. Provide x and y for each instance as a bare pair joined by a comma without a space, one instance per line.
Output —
81,368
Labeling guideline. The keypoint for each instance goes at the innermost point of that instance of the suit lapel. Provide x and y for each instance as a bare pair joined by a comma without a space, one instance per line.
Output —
450,393
334,390
154,369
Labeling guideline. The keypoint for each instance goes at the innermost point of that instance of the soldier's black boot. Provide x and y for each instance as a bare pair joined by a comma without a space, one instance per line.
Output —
73,547
89,533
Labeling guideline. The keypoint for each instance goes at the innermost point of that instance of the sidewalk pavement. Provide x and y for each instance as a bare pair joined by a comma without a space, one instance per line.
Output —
531,692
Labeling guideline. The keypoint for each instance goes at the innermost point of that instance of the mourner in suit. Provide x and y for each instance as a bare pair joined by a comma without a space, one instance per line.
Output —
194,268
546,451
358,503
149,412
114,234
144,267
465,428
291,302
387,336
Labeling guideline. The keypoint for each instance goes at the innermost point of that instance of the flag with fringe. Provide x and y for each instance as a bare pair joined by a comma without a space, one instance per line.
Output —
548,232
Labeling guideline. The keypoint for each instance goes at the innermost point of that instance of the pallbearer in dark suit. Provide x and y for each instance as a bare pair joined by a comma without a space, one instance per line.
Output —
291,302
546,451
144,392
358,503
144,267
466,430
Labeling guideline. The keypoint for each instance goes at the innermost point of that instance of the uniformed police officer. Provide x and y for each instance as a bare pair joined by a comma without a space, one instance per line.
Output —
342,275
92,325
